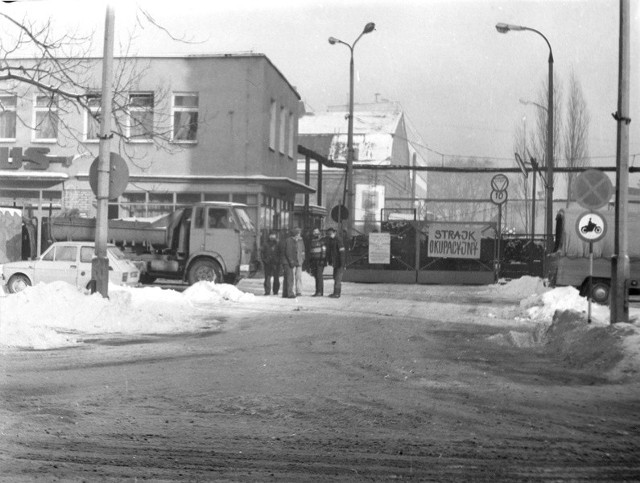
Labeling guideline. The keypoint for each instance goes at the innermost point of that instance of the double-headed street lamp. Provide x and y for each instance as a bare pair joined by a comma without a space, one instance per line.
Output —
503,28
348,182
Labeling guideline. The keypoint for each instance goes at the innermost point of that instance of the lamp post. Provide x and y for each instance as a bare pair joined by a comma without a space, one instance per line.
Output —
503,28
348,182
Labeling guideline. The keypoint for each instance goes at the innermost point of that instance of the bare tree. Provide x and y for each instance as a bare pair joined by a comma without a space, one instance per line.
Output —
520,211
576,131
455,187
60,71
539,145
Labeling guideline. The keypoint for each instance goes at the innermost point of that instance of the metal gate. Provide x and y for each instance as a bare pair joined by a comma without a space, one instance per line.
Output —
412,258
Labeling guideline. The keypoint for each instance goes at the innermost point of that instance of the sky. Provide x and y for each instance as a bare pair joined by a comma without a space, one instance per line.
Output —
458,80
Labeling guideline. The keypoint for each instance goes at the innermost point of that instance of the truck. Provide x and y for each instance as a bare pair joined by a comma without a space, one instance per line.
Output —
213,241
569,261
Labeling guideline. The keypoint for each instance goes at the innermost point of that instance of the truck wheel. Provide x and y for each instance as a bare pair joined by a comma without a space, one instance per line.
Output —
18,283
600,290
205,270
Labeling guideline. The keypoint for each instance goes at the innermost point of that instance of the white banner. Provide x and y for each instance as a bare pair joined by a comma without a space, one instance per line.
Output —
453,241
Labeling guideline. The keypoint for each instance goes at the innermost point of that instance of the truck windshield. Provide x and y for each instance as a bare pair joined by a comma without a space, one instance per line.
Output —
245,221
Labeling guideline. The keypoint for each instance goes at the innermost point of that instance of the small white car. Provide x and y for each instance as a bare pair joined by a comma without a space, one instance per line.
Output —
69,262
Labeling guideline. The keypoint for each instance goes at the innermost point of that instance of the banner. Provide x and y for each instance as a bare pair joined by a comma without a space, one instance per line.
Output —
453,241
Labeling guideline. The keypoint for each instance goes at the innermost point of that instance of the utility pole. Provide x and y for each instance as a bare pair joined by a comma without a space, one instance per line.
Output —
620,271
100,264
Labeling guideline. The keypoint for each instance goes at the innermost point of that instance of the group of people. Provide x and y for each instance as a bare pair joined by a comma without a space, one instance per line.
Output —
290,255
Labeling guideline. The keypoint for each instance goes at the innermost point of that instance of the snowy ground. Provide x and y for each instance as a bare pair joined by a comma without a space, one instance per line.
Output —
56,315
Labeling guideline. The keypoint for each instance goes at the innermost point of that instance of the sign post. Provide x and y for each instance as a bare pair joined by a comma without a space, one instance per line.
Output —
591,227
499,196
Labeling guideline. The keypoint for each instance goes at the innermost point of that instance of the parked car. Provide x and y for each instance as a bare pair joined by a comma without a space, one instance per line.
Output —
69,262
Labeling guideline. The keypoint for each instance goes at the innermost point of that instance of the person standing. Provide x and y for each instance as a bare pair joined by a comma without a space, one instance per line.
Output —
300,257
336,257
288,258
317,260
270,254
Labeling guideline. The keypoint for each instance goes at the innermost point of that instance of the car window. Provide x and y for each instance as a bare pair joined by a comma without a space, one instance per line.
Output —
66,254
86,254
199,218
48,257
218,218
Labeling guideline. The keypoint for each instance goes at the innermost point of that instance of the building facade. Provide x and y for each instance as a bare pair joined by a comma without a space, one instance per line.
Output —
381,137
190,128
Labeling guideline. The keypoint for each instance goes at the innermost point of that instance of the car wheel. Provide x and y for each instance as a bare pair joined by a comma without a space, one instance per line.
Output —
600,290
18,283
205,270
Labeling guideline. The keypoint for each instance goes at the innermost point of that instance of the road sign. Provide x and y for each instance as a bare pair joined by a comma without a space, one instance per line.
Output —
499,184
118,175
591,226
592,189
499,197
339,213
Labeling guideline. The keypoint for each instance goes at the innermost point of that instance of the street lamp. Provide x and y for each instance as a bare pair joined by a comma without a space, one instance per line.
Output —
503,28
348,182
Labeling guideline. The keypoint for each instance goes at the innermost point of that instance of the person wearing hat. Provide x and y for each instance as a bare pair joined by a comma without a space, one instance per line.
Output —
336,257
317,260
270,255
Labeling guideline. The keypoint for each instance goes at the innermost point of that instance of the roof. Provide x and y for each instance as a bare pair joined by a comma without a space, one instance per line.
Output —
373,134
235,55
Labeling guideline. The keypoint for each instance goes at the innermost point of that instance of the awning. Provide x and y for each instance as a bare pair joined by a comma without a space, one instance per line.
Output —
280,183
31,180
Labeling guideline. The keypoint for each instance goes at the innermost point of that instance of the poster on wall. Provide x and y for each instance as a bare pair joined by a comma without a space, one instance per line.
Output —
453,241
379,248
368,205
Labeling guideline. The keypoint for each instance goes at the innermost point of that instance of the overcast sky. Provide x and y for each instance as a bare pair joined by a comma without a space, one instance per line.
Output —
458,80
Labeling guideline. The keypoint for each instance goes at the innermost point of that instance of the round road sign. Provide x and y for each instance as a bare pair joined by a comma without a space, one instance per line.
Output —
591,226
592,189
118,176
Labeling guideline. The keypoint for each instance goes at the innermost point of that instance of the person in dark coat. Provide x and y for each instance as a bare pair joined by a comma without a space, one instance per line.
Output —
336,257
288,260
317,260
270,254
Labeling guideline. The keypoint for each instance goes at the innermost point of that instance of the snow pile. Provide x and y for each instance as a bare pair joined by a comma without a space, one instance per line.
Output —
58,315
526,285
541,307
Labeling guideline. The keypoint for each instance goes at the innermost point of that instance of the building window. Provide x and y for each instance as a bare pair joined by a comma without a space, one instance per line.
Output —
141,116
92,117
8,116
45,118
291,133
283,132
185,118
273,123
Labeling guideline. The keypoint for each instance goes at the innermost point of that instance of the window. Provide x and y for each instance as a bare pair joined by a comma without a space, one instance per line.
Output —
141,116
8,116
283,132
66,253
45,118
218,218
91,123
86,254
273,123
291,135
185,118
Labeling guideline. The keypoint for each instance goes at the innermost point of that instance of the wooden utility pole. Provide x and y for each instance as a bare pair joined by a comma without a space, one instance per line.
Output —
100,264
620,271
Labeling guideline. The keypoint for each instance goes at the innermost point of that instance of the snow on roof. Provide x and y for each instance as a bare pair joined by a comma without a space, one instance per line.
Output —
373,133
